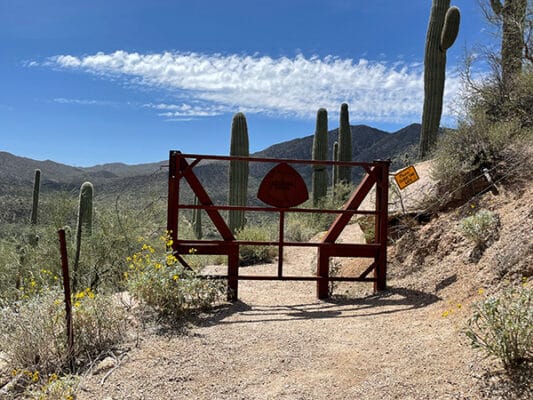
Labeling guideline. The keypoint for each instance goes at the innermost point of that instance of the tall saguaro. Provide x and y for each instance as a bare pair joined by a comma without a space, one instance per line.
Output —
345,145
320,152
513,15
238,172
442,31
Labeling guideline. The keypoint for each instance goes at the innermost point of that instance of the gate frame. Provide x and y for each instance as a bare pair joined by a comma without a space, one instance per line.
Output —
377,173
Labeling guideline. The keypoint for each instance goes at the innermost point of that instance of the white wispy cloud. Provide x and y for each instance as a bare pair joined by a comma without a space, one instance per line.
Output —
214,84
180,112
84,102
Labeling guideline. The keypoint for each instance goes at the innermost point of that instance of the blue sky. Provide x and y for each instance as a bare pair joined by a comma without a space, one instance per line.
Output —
91,82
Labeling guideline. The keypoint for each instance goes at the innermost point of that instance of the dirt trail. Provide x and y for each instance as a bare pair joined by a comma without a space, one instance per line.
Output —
280,342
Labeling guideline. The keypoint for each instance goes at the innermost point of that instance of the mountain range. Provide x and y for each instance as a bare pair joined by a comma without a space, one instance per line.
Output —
17,173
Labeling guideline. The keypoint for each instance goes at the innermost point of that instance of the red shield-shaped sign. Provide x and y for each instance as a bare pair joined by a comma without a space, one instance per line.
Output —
283,187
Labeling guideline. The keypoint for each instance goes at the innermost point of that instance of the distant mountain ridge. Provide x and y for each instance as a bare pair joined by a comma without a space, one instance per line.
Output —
16,173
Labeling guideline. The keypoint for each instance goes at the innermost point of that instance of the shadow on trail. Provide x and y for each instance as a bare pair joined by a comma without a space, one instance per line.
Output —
393,300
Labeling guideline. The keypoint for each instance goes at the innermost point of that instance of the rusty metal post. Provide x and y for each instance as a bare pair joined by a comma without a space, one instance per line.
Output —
322,284
381,224
173,197
233,273
68,301
281,242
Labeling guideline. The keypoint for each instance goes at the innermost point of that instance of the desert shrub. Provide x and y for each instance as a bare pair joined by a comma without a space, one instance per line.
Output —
462,154
297,230
493,123
501,326
32,331
156,278
252,254
302,226
480,228
25,268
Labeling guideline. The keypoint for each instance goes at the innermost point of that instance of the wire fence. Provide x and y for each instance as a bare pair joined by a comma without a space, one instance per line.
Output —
431,207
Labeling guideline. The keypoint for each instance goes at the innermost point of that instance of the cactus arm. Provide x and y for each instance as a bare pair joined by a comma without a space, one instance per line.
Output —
450,29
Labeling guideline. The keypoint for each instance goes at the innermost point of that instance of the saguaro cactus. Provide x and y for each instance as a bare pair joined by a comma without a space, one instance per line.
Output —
442,32
197,220
36,190
320,152
335,169
238,171
85,223
513,15
345,145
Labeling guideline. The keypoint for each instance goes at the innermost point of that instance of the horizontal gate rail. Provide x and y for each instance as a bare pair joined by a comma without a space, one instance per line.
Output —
181,166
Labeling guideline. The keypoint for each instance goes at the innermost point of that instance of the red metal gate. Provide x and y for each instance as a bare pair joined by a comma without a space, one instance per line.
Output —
182,167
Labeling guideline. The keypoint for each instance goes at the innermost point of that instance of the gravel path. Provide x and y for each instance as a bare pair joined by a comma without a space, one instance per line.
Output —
280,342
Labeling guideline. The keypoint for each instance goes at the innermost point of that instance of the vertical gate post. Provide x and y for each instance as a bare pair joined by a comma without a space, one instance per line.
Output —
381,226
322,284
233,273
173,197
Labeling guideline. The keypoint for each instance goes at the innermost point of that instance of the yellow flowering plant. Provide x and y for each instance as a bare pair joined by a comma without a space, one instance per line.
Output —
156,277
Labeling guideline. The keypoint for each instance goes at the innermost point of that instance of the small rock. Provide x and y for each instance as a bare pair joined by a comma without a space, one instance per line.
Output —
104,365
3,360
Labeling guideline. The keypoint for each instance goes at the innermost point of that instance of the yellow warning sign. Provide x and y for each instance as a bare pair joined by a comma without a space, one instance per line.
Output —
405,177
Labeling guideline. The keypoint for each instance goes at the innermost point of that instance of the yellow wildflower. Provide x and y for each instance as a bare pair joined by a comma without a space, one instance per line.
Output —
77,304
35,376
171,259
445,314
480,291
175,277
52,378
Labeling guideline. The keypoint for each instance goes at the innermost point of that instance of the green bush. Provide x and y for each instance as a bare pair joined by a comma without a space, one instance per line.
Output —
156,278
32,331
480,228
489,134
252,254
501,326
